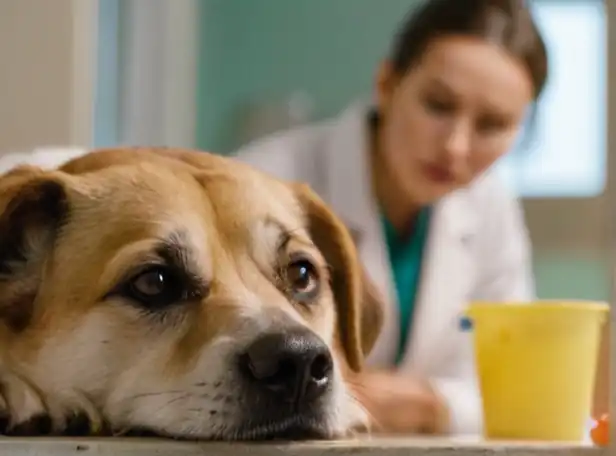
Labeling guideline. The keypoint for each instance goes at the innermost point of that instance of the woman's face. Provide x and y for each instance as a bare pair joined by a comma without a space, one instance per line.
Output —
451,116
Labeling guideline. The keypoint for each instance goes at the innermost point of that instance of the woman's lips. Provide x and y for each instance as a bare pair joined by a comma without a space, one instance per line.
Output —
439,174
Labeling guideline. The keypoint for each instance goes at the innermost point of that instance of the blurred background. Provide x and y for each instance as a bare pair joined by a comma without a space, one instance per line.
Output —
215,74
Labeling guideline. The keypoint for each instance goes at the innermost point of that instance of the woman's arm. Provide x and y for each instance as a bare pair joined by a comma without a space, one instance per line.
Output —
398,403
460,394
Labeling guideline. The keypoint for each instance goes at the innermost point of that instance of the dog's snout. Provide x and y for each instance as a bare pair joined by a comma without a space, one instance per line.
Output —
295,365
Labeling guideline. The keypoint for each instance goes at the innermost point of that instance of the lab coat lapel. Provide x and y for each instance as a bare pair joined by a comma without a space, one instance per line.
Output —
446,278
346,165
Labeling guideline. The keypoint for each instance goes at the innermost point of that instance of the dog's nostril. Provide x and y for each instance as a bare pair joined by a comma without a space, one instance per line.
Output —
260,367
275,373
286,369
321,367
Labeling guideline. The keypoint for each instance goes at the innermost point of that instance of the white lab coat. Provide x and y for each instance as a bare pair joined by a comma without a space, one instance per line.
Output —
478,249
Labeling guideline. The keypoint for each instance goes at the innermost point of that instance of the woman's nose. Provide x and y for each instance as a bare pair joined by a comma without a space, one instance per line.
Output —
458,140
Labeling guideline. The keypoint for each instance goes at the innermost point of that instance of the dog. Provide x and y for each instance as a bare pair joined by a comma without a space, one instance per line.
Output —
177,293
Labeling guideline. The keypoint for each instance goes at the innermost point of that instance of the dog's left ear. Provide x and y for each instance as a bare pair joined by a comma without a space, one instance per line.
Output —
359,306
33,204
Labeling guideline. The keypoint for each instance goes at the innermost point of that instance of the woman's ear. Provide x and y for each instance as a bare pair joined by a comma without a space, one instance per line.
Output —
358,304
385,82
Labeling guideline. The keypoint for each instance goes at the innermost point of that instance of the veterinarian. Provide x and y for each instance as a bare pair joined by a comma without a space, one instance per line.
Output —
410,173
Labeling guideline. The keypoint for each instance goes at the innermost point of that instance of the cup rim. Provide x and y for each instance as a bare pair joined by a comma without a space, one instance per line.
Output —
543,304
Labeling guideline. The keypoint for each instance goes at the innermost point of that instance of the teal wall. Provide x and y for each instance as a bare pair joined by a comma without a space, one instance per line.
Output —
255,50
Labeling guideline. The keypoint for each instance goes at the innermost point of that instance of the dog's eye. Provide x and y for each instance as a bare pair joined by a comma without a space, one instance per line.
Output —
303,280
157,287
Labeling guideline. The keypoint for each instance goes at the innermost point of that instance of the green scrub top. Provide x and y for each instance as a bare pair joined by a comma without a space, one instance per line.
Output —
405,257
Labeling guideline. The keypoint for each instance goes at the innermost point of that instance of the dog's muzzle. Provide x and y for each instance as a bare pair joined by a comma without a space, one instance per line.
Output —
287,376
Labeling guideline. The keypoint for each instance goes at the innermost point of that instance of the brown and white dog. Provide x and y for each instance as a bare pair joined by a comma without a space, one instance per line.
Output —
180,293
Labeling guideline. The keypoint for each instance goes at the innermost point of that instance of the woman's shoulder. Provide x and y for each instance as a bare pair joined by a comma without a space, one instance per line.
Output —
290,154
302,152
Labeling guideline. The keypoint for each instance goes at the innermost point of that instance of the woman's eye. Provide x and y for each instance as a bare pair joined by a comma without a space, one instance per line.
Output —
490,125
157,287
303,280
438,106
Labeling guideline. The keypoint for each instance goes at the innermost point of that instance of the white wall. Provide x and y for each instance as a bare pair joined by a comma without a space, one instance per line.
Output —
46,73
48,56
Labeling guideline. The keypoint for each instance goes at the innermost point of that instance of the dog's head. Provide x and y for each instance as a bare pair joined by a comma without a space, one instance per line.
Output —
183,293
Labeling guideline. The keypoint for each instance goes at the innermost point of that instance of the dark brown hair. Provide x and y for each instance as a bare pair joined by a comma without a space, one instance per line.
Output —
507,23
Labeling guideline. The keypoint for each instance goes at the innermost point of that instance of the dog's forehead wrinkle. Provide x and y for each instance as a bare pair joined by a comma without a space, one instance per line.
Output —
185,248
267,238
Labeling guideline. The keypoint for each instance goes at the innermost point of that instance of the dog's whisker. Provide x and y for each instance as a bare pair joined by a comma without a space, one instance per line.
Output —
180,398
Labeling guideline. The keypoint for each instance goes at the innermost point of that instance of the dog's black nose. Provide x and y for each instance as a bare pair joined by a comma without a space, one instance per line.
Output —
294,365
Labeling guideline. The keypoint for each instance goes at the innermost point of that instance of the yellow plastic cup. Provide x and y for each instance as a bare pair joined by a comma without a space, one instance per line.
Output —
536,366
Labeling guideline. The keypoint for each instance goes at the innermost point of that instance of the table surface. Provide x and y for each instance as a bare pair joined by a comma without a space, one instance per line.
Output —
360,447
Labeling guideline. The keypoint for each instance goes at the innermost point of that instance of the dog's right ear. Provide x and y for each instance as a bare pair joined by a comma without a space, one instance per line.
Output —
359,304
33,205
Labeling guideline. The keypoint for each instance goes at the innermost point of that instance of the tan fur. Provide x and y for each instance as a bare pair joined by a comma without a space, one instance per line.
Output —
69,237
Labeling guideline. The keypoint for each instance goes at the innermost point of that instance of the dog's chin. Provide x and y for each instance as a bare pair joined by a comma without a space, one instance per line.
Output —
290,429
